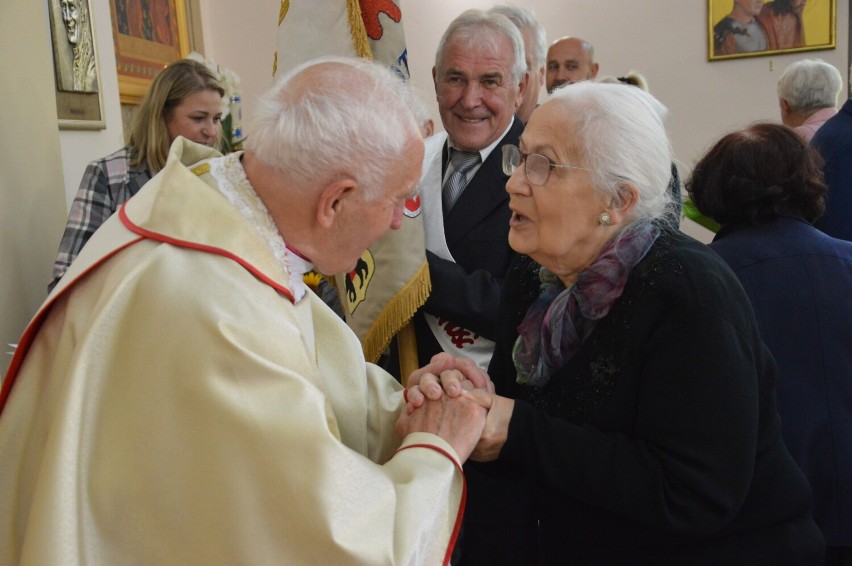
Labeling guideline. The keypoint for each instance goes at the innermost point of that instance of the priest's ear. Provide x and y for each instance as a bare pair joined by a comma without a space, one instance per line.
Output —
334,199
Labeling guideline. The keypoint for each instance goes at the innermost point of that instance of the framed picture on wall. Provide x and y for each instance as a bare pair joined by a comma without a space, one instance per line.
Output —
148,35
79,104
753,28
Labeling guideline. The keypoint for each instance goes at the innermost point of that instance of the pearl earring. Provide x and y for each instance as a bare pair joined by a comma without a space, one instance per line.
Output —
604,219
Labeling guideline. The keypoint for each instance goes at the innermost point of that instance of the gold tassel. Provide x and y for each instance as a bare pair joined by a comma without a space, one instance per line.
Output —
397,313
282,12
406,342
359,32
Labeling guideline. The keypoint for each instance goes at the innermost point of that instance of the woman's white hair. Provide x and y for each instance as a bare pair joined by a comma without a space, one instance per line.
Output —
621,137
351,120
809,85
477,28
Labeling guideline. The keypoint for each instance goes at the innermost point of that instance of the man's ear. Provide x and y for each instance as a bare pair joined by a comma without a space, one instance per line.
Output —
333,199
522,87
623,203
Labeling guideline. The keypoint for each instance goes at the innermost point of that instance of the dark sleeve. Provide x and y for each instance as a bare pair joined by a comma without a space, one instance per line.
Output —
682,461
470,299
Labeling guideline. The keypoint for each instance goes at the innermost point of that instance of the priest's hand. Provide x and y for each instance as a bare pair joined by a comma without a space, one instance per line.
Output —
458,420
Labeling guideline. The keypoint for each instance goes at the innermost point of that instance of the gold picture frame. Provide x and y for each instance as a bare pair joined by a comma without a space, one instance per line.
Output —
79,102
756,28
148,35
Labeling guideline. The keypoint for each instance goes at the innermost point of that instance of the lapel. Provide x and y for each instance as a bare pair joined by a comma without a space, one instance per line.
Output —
485,193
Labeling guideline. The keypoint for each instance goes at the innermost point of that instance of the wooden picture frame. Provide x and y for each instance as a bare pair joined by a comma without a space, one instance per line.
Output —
148,35
775,27
79,102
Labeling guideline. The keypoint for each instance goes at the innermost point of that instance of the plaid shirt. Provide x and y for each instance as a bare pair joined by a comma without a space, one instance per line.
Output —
106,184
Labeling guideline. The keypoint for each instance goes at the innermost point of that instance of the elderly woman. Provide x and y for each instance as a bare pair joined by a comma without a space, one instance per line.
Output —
764,186
634,420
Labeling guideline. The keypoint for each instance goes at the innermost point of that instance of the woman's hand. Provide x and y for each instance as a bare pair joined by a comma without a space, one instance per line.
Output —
496,429
444,375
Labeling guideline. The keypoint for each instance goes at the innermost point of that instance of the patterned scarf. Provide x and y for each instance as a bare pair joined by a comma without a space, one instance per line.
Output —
551,330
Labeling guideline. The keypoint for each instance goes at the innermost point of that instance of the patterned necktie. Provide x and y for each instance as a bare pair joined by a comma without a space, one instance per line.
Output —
463,161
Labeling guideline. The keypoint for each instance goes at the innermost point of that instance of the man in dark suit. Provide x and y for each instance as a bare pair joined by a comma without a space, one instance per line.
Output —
834,142
480,76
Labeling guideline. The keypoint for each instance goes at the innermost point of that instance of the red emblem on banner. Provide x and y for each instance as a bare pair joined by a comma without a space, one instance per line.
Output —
370,10
412,207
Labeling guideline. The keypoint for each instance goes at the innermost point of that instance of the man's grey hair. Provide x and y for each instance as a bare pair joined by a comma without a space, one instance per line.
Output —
524,18
809,85
621,136
320,123
469,28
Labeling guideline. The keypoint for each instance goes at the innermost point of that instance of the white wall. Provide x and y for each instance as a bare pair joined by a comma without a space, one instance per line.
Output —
32,209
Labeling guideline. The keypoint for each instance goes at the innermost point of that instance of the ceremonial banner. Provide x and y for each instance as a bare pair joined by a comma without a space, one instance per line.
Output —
391,280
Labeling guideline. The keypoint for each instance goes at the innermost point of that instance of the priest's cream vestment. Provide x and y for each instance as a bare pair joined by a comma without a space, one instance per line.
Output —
173,402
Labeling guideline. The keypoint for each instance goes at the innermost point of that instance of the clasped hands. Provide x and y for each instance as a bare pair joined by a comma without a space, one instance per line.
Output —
453,398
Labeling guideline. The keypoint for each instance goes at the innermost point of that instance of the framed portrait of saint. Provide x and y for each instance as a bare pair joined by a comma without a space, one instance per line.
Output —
78,91
148,35
753,28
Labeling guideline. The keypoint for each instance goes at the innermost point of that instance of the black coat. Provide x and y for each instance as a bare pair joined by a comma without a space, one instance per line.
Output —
467,292
658,443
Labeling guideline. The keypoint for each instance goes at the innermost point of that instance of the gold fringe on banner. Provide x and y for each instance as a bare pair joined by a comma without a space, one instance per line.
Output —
397,313
359,32
282,13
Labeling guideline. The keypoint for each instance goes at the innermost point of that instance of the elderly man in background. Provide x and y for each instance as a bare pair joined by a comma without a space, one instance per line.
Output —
570,60
807,95
480,79
535,50
182,397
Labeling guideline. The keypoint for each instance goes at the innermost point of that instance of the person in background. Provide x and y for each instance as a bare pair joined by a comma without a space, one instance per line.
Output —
782,23
634,420
807,95
535,49
570,60
185,99
764,186
740,31
834,143
480,78
182,398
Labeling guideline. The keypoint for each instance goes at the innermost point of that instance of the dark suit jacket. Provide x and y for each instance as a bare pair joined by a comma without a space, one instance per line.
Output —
834,142
467,292
799,282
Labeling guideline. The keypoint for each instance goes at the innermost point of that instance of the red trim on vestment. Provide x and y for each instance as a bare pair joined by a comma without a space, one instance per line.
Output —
203,248
457,527
35,324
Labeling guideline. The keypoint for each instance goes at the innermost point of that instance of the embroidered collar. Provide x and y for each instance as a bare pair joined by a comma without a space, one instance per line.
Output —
235,187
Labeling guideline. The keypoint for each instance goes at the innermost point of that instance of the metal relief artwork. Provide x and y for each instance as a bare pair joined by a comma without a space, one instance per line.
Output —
78,98
82,76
